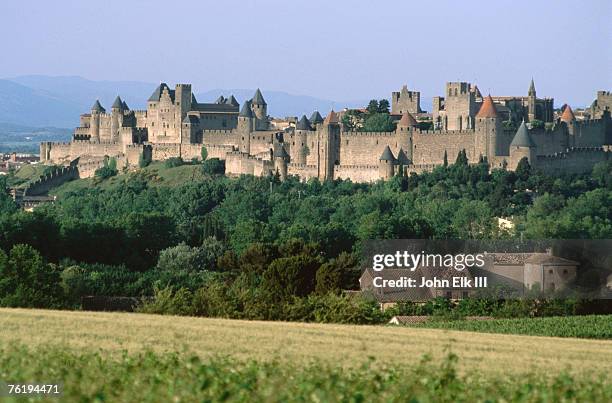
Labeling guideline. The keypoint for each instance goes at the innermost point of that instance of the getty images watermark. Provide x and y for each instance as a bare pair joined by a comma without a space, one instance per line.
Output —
418,270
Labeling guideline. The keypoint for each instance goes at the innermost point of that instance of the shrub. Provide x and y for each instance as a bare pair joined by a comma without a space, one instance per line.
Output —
168,302
174,162
213,166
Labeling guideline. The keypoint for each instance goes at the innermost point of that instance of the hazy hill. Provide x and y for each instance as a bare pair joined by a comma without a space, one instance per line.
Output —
39,100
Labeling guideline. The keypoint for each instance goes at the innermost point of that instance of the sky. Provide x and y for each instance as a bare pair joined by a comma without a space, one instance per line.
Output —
340,50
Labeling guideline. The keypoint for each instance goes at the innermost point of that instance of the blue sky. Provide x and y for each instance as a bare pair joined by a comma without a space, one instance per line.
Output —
339,49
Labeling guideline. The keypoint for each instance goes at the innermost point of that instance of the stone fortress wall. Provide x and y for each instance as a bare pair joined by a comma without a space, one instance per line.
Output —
175,124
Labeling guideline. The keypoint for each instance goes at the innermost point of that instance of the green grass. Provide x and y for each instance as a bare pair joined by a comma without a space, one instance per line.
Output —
588,327
156,174
184,377
26,174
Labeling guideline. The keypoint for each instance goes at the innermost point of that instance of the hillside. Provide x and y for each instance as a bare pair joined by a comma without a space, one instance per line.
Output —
348,346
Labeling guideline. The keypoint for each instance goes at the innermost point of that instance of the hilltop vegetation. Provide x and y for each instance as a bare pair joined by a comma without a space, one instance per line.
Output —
257,248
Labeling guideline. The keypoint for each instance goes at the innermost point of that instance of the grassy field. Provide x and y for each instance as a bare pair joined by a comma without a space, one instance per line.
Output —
27,173
157,175
299,343
137,357
588,327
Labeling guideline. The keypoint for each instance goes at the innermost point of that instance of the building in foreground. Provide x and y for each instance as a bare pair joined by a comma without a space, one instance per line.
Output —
501,130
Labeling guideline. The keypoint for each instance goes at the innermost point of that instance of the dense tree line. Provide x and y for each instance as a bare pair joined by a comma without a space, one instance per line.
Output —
260,248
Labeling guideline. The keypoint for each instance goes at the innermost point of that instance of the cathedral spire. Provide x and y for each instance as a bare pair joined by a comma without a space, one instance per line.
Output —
532,90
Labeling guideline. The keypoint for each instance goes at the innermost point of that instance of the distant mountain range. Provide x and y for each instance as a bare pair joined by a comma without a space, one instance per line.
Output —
45,101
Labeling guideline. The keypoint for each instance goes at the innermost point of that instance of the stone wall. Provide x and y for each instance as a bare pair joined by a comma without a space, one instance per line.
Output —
56,177
573,160
429,146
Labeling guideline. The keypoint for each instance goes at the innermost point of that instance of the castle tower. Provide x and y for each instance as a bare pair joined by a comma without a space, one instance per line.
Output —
260,109
488,128
281,158
116,118
386,164
182,105
459,106
531,101
569,119
522,145
94,125
403,131
329,135
298,149
189,131
405,101
246,125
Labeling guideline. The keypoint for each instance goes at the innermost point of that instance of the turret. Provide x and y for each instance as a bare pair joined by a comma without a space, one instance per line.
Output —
488,127
299,147
403,131
246,123
386,164
281,159
569,119
260,109
522,145
315,119
96,110
116,118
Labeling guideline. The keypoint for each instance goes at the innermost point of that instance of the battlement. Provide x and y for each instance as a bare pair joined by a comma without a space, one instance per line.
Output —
296,165
367,134
439,132
356,167
576,150
218,132
604,93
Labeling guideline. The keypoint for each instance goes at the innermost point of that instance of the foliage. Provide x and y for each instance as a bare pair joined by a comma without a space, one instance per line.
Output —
213,166
204,153
174,162
378,122
536,124
590,327
108,170
144,159
171,376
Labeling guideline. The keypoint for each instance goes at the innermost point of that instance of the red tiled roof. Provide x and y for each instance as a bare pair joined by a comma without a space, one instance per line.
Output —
487,110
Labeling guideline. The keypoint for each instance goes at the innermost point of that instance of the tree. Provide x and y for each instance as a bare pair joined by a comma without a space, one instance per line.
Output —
144,159
204,153
213,166
462,159
290,276
445,158
379,122
523,169
372,107
383,106
27,281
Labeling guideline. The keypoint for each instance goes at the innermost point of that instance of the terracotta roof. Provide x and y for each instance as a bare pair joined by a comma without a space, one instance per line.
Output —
487,110
407,120
546,259
568,114
332,117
